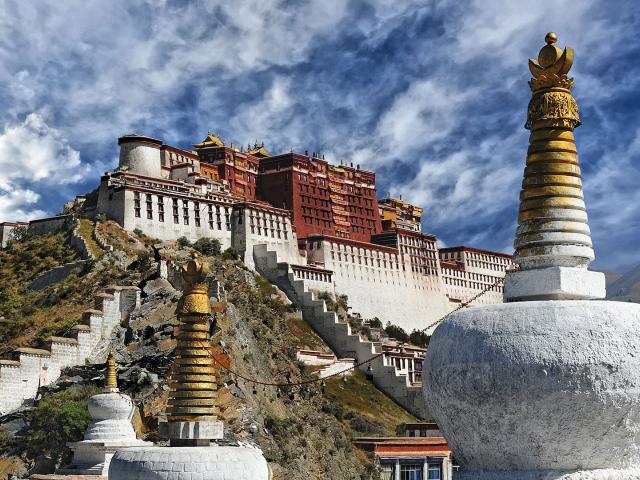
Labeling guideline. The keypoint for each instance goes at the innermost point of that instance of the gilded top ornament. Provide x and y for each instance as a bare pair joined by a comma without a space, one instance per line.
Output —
111,378
551,68
195,299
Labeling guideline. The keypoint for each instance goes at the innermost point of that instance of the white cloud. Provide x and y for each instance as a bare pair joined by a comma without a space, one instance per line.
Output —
269,119
18,204
425,113
32,153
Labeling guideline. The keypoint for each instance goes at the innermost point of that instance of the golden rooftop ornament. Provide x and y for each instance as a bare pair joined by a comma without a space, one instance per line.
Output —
193,382
552,221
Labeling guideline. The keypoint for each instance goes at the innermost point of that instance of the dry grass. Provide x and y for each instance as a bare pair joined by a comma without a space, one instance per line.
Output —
85,230
356,393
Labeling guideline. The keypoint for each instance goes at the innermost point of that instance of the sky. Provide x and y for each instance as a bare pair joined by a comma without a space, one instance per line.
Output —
431,95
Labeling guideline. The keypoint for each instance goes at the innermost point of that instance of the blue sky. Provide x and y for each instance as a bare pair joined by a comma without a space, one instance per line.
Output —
432,95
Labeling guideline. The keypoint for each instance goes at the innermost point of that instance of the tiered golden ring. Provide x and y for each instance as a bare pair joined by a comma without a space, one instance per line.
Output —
193,394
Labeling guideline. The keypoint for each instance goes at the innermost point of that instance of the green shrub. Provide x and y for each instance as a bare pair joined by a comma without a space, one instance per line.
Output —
57,419
230,254
208,246
419,338
184,242
138,232
396,332
375,322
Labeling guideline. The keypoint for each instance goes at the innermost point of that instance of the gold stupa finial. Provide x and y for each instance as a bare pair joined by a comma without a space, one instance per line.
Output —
194,387
195,298
552,66
111,377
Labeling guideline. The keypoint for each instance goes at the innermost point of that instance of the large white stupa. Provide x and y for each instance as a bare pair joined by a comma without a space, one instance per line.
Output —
110,430
546,386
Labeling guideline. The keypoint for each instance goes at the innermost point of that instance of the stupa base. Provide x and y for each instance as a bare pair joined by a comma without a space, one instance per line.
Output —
92,457
185,463
603,474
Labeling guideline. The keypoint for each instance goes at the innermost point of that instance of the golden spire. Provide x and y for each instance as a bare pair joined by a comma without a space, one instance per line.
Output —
552,220
111,378
193,394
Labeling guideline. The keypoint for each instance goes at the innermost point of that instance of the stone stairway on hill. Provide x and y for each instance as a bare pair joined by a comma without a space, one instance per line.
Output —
338,334
30,368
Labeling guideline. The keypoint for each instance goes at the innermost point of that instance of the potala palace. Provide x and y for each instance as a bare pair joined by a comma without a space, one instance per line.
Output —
324,223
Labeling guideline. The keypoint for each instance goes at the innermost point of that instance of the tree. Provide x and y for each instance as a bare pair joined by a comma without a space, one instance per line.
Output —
396,332
419,338
20,234
208,246
59,418
184,242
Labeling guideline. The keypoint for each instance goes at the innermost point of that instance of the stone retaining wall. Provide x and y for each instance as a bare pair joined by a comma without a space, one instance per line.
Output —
57,274
100,239
79,243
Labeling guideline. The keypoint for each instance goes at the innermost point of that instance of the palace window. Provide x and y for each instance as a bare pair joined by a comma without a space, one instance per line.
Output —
196,210
411,472
149,207
160,208
175,211
185,211
435,472
136,203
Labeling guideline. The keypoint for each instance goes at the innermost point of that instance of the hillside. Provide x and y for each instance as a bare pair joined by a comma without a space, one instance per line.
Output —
626,288
29,316
305,432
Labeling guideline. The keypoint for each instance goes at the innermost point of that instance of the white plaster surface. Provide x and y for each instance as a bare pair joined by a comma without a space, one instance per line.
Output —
110,430
192,430
189,463
554,283
111,413
535,386
141,157
555,255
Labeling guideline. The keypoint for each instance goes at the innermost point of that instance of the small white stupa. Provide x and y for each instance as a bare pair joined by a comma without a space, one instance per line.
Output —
110,430
547,385
193,424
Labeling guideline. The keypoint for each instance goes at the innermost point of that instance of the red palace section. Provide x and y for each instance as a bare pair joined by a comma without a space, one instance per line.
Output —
323,199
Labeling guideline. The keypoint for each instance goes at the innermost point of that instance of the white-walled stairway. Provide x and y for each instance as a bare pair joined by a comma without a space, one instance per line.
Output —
30,368
338,335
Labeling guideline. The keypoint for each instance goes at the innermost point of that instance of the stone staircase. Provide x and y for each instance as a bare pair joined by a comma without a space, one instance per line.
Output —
338,334
29,368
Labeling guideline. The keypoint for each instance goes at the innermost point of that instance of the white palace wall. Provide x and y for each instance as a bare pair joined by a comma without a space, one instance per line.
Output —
379,283
263,226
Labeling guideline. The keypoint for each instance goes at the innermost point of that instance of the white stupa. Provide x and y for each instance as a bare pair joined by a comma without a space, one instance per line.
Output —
547,385
110,430
193,425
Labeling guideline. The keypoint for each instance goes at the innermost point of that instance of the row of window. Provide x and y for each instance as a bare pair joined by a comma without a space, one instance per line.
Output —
413,471
178,208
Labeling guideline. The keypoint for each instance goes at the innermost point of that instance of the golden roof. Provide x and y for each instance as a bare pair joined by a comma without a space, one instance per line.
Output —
258,151
212,140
